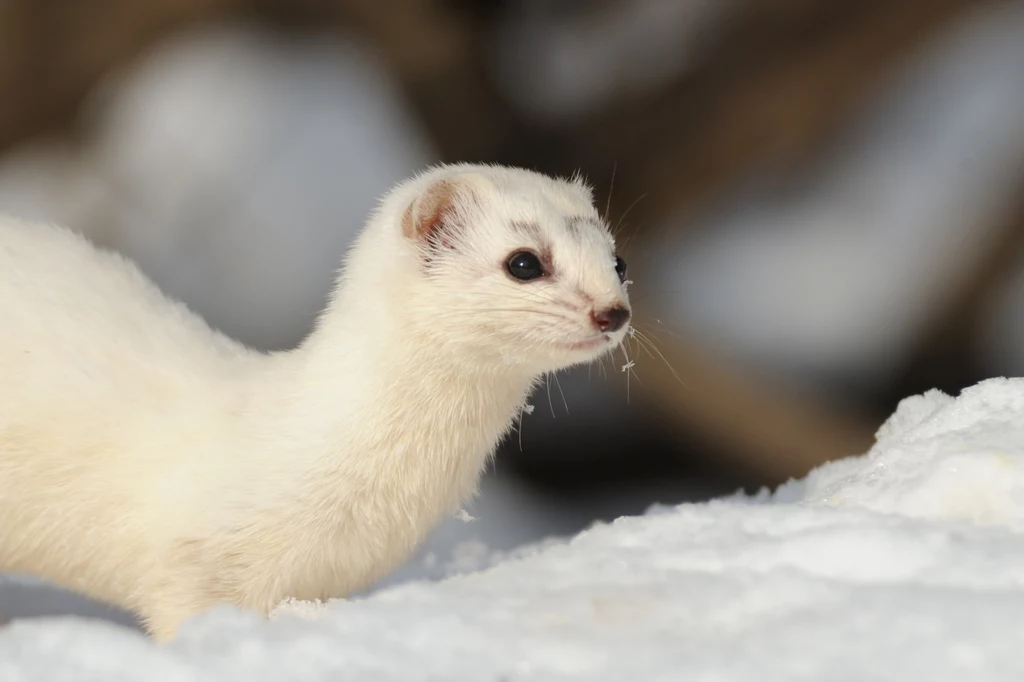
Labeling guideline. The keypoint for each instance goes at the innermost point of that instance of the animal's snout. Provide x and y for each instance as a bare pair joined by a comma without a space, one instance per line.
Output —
610,319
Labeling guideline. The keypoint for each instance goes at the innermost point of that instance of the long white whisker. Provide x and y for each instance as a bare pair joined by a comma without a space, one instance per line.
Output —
551,404
615,231
611,188
519,430
627,368
559,385
538,296
654,347
643,345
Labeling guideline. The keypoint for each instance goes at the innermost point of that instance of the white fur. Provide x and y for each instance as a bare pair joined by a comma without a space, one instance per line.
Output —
151,462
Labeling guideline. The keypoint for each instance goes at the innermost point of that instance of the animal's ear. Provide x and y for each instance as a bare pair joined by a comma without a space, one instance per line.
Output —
437,215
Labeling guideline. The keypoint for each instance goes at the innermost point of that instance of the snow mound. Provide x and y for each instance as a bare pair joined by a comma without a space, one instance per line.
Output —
936,458
906,563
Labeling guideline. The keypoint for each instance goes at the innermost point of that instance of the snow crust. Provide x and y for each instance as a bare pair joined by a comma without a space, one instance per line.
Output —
906,563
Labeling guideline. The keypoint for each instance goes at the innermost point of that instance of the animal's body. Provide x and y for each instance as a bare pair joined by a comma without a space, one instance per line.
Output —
151,462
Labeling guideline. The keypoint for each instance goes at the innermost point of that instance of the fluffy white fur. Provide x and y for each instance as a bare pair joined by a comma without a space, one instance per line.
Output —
151,462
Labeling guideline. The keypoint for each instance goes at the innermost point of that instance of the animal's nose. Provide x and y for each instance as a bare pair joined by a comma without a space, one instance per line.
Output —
610,319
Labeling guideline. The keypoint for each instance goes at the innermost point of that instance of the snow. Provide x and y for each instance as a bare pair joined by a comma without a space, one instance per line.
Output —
905,563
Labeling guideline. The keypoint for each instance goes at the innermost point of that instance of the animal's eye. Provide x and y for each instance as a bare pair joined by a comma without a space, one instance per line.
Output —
620,268
525,266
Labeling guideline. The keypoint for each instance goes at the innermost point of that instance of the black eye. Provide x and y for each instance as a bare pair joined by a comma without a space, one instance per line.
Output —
525,266
620,268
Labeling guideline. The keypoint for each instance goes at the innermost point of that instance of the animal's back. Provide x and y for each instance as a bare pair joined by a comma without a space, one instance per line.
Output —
71,313
93,359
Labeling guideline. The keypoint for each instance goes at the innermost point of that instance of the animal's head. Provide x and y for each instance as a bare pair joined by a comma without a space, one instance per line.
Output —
513,266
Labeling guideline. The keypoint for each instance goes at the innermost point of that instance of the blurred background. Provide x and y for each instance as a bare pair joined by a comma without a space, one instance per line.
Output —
821,203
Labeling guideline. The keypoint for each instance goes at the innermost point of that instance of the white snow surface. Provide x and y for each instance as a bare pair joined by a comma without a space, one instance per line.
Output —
906,563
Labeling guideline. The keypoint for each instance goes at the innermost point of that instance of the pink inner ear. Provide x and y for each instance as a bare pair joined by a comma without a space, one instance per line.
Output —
426,217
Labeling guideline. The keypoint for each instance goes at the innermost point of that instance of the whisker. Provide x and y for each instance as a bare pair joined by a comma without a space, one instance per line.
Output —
532,311
559,385
640,342
547,301
626,366
615,230
611,188
648,292
654,347
519,429
666,329
547,382
525,292
628,240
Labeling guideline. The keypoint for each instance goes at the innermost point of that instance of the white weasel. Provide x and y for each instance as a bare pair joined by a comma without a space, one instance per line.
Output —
151,462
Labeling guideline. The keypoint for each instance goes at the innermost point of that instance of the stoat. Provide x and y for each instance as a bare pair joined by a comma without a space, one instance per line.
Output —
151,462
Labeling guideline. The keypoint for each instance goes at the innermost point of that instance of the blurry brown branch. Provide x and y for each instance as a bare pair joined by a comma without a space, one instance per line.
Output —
763,430
944,349
53,52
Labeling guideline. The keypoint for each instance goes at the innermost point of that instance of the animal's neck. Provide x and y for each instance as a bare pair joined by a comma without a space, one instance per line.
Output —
371,407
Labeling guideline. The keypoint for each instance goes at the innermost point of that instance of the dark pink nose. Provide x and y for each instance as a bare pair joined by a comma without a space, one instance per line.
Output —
610,319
